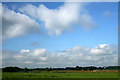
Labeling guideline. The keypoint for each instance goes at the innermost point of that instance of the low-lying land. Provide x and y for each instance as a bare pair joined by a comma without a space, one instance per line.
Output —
63,74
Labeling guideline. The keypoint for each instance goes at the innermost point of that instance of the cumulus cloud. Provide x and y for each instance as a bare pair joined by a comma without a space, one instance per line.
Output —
24,51
31,19
16,24
103,49
28,62
39,52
62,19
77,56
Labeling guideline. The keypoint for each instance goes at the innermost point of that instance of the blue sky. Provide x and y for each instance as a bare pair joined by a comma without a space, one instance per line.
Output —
104,33
65,29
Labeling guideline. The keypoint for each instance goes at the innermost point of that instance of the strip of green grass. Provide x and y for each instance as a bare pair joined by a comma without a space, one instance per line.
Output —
59,75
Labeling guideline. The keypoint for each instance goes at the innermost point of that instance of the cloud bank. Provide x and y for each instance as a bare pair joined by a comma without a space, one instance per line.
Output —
103,55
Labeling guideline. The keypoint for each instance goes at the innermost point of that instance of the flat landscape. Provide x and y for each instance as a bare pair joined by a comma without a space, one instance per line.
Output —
55,74
59,40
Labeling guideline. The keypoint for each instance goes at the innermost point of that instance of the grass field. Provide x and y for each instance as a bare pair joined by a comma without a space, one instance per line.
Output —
62,75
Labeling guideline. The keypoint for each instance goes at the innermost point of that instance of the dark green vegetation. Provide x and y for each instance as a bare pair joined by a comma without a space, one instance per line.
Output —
64,73
17,69
61,75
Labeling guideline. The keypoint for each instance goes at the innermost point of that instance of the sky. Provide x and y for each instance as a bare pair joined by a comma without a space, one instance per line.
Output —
60,1
57,34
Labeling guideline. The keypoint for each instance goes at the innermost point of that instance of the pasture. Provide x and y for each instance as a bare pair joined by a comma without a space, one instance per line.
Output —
51,74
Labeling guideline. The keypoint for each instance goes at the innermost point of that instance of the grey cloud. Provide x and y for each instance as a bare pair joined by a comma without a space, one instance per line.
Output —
44,58
17,24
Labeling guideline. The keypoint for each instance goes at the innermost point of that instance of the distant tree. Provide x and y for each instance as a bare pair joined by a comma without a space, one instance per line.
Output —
92,68
11,69
47,69
50,69
26,69
77,67
100,68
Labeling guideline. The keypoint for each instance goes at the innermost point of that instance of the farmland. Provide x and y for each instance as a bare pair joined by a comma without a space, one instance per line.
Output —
58,74
68,73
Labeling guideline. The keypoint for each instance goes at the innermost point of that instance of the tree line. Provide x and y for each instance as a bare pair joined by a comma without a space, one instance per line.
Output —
17,69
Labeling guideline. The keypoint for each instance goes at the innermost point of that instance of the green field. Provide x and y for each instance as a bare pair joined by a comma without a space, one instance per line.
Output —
60,75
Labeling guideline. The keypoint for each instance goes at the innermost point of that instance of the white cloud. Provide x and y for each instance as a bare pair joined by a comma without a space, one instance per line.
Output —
103,49
80,50
17,24
77,56
24,51
29,9
53,21
28,62
103,45
62,19
39,52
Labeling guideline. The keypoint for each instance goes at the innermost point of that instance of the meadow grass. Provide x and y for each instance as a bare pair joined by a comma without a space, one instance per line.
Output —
60,75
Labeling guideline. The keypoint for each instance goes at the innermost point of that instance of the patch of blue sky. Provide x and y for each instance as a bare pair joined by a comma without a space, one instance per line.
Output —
104,33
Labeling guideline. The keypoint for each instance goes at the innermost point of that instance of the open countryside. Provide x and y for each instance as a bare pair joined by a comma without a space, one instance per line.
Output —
68,72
